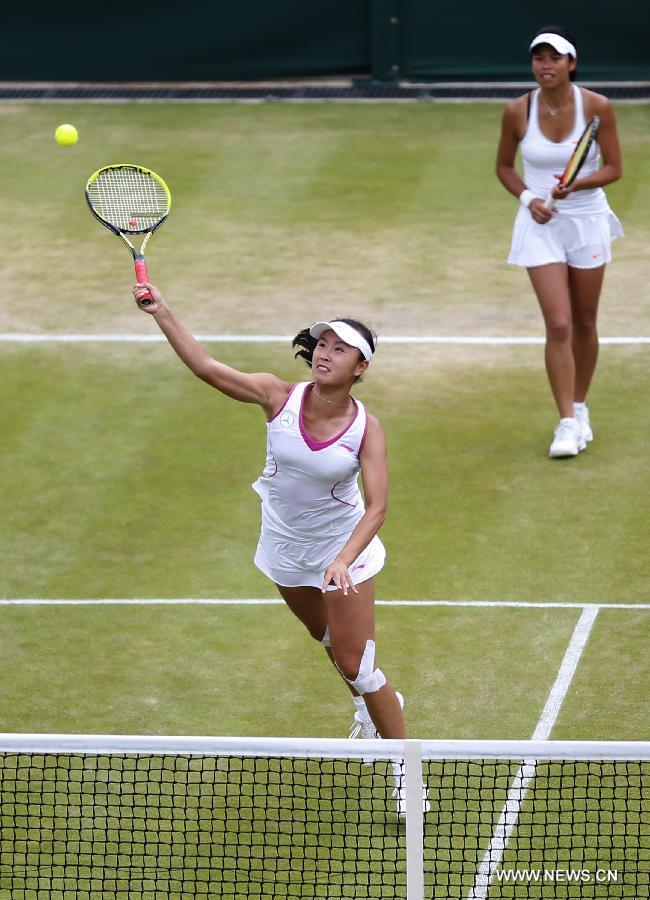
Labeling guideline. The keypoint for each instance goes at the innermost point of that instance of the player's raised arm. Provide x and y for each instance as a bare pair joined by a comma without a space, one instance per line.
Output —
263,388
130,201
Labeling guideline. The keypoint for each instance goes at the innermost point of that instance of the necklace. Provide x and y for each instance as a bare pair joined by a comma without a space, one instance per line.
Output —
343,405
554,112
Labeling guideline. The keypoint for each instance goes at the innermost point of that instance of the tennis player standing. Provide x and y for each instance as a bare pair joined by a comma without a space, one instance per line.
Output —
319,541
564,250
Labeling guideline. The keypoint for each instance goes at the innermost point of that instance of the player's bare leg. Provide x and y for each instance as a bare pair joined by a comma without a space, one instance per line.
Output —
586,285
551,284
310,606
351,622
307,604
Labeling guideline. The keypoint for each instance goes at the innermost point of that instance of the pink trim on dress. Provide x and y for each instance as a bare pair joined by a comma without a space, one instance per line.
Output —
363,437
321,445
293,387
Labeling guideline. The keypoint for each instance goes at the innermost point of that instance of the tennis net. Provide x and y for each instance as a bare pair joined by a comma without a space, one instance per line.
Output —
88,816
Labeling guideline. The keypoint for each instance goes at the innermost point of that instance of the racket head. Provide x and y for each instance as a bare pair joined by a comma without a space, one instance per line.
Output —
128,199
579,155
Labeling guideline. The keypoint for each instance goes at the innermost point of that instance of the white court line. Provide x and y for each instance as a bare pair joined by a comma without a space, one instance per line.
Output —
518,789
25,338
276,601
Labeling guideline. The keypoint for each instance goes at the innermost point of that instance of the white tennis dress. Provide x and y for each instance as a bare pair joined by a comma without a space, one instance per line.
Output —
584,218
311,500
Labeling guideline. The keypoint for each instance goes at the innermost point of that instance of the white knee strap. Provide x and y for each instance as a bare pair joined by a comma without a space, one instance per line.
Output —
369,679
325,640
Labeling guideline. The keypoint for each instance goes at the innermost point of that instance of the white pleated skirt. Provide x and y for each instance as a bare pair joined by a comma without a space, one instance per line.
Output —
271,559
539,245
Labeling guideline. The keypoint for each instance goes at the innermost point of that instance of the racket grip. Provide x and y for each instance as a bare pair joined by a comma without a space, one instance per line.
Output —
550,202
142,275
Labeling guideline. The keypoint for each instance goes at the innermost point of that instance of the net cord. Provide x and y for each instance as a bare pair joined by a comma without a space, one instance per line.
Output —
322,748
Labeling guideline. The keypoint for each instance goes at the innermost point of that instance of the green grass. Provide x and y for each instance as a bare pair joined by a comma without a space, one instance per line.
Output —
195,670
126,477
121,476
390,211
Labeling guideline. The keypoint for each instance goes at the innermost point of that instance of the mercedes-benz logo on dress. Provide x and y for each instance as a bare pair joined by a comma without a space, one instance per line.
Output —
287,419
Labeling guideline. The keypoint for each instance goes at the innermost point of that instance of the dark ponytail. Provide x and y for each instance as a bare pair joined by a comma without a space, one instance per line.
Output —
307,343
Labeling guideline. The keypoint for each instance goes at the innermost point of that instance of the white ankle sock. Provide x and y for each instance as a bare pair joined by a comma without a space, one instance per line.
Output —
362,709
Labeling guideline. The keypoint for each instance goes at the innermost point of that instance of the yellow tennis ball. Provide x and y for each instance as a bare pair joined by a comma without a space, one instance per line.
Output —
66,135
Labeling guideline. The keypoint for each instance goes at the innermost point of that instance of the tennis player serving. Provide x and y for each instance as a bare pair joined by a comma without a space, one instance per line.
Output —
319,541
564,248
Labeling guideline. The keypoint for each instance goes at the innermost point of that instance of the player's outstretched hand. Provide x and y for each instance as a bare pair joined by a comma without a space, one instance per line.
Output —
337,574
144,289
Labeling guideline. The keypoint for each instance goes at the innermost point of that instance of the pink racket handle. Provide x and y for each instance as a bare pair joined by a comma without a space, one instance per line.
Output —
142,275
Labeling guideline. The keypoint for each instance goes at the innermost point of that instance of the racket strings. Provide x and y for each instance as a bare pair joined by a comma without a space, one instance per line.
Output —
128,198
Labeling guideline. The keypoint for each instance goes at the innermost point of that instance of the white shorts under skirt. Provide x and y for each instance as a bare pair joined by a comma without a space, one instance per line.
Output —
583,242
367,564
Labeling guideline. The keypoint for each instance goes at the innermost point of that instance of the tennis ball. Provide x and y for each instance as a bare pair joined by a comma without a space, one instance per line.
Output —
65,135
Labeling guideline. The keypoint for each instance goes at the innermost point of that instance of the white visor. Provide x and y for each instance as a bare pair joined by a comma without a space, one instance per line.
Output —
347,333
556,41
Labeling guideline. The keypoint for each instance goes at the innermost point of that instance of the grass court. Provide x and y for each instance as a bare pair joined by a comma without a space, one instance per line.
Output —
123,477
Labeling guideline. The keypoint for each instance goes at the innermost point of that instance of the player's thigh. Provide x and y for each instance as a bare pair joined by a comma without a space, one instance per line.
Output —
351,620
551,285
585,285
307,604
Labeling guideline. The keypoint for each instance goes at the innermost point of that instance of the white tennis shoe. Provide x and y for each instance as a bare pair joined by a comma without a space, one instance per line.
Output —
581,412
568,439
364,727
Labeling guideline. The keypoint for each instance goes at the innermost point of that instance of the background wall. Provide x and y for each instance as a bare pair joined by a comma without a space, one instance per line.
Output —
474,40
256,39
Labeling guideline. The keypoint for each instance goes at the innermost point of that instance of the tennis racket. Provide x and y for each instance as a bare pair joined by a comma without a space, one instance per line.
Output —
578,157
130,200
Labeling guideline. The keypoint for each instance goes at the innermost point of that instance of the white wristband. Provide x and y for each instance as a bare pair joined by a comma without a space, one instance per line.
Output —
526,197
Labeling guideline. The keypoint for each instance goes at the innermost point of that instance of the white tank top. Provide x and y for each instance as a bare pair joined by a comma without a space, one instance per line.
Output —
543,158
309,489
